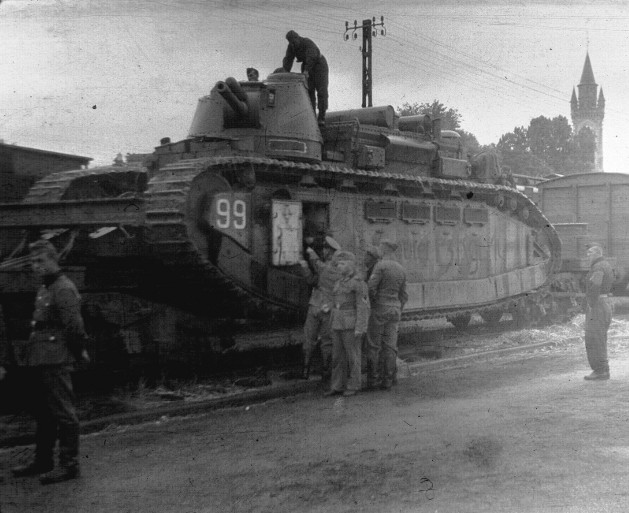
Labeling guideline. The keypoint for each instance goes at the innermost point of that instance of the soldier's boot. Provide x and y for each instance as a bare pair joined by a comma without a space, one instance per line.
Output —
321,118
305,372
60,474
37,466
370,384
68,456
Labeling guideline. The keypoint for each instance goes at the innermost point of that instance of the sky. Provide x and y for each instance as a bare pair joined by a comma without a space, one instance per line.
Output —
97,78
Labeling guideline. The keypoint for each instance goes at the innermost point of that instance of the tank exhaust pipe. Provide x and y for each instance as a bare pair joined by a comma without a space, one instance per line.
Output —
436,128
236,99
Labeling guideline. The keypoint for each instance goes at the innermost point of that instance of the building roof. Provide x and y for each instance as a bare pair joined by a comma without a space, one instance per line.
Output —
6,146
587,77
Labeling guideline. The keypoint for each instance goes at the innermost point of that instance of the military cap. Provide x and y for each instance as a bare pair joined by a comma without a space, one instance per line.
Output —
331,243
44,246
390,245
594,249
345,255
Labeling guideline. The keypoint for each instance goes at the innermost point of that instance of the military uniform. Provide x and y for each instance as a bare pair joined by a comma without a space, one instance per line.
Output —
350,315
598,314
387,291
314,63
47,357
317,323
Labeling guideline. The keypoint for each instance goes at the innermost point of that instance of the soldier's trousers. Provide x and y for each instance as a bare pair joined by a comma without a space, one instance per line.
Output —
383,334
597,320
52,402
346,371
318,82
318,326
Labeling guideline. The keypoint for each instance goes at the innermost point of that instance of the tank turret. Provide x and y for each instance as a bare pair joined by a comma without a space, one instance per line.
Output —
273,118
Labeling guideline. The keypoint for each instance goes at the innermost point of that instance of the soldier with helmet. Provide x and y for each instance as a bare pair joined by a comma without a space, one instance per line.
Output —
320,305
598,312
350,316
387,291
56,343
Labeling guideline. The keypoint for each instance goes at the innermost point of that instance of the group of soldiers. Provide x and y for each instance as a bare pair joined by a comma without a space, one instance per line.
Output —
314,67
350,312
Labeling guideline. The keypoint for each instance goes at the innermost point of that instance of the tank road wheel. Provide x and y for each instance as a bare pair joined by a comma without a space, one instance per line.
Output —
460,321
492,317
499,200
523,314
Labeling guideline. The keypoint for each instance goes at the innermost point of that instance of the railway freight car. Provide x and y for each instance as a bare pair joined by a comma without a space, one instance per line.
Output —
205,236
589,208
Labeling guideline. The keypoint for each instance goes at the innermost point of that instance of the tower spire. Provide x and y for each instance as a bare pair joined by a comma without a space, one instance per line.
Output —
588,110
587,76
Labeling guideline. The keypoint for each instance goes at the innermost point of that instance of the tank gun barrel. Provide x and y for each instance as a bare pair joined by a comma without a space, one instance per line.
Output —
234,95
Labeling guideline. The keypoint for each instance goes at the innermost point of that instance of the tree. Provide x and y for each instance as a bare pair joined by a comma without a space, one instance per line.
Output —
547,146
551,141
584,148
450,118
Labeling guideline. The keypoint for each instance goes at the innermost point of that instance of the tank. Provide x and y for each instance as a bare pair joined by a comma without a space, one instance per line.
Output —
202,239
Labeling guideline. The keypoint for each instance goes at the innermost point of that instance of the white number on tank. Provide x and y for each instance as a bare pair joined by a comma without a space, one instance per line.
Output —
228,215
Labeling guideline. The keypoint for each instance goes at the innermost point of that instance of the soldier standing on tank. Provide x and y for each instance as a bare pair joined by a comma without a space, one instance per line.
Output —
387,291
313,65
320,305
598,312
350,316
56,342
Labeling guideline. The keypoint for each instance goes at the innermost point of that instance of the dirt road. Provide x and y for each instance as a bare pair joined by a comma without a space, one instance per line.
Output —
518,433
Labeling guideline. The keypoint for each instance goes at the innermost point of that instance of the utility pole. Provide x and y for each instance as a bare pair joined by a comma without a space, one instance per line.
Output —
369,30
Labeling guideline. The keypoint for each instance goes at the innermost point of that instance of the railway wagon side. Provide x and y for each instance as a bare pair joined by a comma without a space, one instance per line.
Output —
590,208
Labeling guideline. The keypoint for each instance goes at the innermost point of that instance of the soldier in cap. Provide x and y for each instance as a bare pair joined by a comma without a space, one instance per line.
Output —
56,342
313,65
598,313
350,316
320,305
387,291
253,75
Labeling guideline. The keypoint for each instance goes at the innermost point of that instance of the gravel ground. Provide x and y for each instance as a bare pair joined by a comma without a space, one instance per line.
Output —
511,433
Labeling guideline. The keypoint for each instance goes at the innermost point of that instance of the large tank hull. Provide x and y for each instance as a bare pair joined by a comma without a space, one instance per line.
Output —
207,244
204,239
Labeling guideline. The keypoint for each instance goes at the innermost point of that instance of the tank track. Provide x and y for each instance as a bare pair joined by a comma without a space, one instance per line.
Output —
168,190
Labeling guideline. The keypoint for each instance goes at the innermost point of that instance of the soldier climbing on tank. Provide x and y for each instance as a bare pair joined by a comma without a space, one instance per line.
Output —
387,291
317,324
313,65
598,312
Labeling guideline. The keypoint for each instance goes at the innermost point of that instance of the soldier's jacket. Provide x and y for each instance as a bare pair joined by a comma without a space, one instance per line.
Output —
57,326
327,275
387,284
305,51
351,305
599,280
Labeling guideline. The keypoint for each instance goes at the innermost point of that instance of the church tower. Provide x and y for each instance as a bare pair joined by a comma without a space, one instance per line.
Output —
588,111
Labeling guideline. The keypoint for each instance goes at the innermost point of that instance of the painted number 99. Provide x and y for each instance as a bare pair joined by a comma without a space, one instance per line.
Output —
231,215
